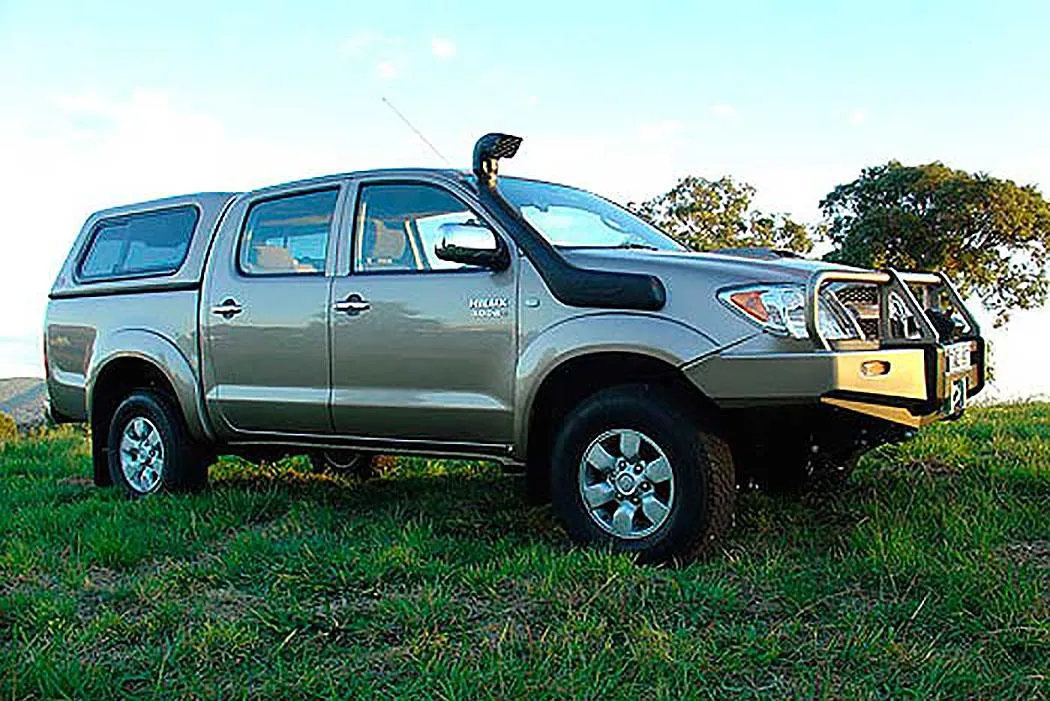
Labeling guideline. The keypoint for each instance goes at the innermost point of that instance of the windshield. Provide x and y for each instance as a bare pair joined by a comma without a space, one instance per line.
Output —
572,218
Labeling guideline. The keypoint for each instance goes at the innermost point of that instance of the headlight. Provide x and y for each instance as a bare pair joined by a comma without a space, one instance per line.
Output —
781,309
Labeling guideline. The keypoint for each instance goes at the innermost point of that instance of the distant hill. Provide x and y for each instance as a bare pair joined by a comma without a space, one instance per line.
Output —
23,398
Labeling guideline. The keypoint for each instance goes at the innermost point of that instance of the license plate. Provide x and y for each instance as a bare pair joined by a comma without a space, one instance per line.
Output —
957,396
958,357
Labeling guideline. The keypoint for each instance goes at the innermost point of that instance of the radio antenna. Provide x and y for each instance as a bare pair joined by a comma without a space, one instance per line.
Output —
417,131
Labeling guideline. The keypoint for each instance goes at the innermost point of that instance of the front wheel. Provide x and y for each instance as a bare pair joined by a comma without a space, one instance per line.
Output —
633,469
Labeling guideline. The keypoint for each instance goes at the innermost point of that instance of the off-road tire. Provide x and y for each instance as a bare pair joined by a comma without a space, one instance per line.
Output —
345,463
701,510
185,465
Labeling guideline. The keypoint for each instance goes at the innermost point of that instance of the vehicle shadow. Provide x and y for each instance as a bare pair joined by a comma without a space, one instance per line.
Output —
459,503
470,505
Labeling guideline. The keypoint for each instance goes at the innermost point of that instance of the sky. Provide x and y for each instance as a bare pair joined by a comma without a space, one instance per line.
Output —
106,103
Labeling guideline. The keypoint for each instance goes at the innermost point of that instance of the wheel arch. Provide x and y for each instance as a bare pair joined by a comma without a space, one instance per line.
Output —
629,347
135,358
559,371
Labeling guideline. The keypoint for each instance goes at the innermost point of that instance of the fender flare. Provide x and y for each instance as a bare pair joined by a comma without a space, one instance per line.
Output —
672,342
163,354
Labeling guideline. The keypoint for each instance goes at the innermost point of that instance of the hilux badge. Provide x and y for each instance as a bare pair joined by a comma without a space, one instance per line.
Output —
488,307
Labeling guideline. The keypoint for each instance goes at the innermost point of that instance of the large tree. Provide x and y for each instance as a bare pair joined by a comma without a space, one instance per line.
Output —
711,214
990,236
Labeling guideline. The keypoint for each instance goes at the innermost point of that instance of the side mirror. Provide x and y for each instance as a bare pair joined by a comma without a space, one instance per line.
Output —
472,244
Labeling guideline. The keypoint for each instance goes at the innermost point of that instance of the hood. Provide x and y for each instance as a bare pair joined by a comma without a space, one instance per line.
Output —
716,265
693,282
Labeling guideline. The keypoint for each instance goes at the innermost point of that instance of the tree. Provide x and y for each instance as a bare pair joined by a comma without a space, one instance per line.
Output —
711,214
990,236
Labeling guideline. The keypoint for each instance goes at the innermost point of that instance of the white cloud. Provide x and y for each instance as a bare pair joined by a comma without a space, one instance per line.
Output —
360,42
387,70
659,130
858,116
442,48
723,111
148,114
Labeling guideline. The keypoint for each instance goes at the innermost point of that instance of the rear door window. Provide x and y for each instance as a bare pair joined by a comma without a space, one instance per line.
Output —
139,245
288,235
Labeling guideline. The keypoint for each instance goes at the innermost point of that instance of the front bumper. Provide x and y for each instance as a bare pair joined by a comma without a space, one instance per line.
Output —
911,381
913,386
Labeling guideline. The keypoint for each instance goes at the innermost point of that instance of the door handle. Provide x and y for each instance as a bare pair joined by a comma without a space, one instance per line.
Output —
228,309
352,305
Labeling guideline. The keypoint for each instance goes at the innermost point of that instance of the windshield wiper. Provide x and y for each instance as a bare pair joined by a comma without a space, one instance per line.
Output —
625,244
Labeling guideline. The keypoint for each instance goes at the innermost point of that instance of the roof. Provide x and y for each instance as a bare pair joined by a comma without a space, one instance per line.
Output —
442,173
219,198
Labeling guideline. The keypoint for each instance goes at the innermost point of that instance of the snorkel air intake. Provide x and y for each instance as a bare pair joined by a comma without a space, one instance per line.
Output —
487,152
571,285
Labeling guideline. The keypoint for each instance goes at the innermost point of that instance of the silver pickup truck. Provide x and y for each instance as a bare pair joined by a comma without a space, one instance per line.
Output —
636,383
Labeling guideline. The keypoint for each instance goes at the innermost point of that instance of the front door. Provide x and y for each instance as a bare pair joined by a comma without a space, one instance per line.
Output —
422,348
265,314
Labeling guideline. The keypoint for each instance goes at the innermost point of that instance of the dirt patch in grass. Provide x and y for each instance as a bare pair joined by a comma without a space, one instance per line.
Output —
229,604
26,583
77,481
1034,552
934,467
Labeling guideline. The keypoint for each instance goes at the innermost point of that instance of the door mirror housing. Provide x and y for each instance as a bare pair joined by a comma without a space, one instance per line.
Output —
472,244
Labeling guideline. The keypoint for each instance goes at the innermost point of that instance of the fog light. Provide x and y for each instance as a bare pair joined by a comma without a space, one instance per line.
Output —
874,368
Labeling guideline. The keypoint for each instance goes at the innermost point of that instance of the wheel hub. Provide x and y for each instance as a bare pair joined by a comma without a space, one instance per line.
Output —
142,454
626,483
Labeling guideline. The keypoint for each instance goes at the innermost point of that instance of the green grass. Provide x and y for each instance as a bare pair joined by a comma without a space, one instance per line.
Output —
928,576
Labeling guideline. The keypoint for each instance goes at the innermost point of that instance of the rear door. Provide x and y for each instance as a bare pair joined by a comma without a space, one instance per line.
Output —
422,349
265,312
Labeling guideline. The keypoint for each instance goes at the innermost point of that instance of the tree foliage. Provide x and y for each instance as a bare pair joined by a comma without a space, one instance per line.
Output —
710,214
990,236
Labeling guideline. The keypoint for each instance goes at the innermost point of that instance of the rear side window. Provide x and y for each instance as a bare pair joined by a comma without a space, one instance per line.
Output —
288,235
139,245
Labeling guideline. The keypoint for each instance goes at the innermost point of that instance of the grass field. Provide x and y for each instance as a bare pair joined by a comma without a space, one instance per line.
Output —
928,576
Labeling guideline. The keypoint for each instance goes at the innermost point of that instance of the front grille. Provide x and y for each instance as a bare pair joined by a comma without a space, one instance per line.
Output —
858,294
862,301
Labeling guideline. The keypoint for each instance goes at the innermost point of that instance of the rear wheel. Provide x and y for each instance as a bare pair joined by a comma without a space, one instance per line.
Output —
632,469
149,448
344,462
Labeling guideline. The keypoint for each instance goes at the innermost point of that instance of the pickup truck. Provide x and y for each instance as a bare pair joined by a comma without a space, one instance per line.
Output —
635,383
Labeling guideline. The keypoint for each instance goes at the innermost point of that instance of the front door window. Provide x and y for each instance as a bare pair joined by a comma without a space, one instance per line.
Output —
401,225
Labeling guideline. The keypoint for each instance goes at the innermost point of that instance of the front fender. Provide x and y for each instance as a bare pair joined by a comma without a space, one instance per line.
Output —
658,337
165,355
